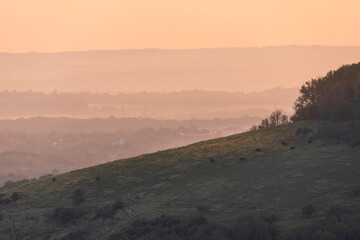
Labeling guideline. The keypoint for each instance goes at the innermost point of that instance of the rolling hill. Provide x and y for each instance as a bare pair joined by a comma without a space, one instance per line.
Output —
205,180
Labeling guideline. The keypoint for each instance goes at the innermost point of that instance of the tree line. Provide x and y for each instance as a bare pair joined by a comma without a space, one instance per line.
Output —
276,118
336,96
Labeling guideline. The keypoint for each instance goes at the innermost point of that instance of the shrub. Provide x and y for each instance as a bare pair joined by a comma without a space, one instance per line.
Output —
66,215
303,231
356,191
15,196
339,213
276,118
254,128
252,227
97,179
270,219
78,197
347,132
210,231
308,210
5,201
138,229
344,231
118,205
110,210
303,131
104,212
197,228
197,221
339,223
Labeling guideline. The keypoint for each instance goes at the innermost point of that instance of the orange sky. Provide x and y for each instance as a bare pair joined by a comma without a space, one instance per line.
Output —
73,25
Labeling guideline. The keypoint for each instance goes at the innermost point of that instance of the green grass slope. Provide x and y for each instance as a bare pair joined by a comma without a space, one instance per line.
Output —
276,180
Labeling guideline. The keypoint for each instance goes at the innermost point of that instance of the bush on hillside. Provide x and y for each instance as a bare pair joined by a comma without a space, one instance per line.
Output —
197,228
5,201
270,219
339,223
197,221
356,191
304,131
347,132
338,213
109,211
118,205
15,196
308,210
253,227
66,215
276,118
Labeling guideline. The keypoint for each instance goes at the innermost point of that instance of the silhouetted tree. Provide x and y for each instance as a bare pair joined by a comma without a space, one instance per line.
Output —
276,118
265,123
284,119
254,128
335,96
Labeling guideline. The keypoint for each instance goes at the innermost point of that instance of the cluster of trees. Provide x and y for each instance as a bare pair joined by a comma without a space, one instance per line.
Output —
335,96
276,118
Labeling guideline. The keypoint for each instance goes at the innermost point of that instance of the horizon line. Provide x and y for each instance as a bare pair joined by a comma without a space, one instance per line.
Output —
143,91
178,49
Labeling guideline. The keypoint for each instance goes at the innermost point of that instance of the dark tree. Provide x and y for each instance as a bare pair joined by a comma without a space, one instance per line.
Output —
15,196
335,96
276,118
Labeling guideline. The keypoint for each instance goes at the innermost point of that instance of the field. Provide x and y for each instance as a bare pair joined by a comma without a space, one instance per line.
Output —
203,179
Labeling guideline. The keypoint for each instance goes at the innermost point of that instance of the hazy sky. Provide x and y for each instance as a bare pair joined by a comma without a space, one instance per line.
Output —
72,25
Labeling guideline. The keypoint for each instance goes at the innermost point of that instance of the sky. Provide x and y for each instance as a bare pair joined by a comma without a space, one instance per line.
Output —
80,25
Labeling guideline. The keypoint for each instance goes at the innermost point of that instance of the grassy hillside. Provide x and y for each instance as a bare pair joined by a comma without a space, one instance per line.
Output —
183,182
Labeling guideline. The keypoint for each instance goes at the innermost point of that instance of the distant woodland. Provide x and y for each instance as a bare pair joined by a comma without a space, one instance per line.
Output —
194,104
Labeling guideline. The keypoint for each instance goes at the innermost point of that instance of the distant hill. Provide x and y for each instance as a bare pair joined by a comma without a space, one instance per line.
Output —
194,104
221,69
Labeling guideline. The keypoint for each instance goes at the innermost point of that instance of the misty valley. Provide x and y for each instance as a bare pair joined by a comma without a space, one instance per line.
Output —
30,148
186,144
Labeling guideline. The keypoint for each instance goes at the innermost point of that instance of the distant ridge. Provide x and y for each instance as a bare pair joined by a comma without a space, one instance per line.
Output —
184,49
224,69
